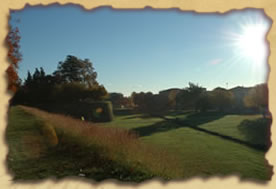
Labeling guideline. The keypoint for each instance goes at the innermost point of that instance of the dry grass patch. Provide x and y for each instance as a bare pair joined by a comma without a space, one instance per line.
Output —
116,144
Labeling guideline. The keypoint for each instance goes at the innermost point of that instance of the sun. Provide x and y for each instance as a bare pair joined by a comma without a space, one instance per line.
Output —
245,43
250,42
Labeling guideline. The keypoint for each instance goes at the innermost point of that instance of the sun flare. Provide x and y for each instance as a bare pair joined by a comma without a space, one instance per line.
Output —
250,42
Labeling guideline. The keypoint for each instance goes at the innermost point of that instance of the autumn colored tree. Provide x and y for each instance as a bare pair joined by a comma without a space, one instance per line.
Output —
203,102
258,98
222,99
188,97
14,55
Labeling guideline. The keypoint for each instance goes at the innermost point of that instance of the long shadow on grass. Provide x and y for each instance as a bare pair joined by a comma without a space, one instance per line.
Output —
122,112
194,120
139,116
142,115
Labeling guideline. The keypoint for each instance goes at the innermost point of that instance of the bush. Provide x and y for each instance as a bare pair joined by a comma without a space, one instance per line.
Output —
101,111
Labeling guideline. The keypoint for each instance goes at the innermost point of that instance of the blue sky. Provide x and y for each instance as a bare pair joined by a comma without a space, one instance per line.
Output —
143,50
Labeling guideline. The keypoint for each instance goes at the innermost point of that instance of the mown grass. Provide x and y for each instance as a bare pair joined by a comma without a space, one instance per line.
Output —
203,154
80,148
251,128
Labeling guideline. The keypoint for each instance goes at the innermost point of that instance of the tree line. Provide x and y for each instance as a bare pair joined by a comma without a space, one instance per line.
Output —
196,98
76,80
73,80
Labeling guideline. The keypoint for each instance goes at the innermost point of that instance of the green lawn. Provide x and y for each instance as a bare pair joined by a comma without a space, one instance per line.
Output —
202,153
253,129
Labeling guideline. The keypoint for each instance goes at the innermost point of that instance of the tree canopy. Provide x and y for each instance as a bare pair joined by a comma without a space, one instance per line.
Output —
74,80
74,69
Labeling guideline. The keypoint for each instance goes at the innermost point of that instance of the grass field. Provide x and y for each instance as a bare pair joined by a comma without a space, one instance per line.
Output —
196,153
204,154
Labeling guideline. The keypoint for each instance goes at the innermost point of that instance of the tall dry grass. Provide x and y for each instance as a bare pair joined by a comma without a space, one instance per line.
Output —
116,144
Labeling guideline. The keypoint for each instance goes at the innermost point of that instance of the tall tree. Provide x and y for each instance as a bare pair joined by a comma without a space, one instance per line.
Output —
74,69
14,55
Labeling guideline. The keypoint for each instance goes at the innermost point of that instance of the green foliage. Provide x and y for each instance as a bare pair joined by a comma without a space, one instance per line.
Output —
37,88
69,92
99,111
116,99
74,69
120,101
74,80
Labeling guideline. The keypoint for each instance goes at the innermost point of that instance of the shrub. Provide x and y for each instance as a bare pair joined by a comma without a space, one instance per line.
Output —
98,111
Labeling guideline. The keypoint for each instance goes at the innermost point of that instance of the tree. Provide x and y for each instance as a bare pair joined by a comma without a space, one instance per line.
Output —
74,69
195,89
138,100
159,105
222,99
204,103
14,55
155,105
257,98
188,97
116,99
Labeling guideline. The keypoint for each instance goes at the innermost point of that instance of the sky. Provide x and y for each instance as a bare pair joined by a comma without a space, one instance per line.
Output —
147,49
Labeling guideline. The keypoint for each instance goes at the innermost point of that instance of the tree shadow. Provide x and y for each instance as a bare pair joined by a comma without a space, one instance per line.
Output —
162,126
179,112
191,120
140,116
251,129
123,112
257,131
196,119
143,115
